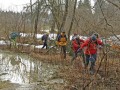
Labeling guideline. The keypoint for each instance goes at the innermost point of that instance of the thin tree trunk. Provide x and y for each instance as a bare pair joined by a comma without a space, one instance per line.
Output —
36,23
65,16
31,15
73,16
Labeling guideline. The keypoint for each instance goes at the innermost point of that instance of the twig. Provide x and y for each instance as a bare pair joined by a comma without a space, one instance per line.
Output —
96,71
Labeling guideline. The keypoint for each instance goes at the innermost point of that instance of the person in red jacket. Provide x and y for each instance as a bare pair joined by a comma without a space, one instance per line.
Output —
76,42
91,51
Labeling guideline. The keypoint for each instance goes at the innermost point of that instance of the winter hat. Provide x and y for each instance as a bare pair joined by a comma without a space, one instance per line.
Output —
94,38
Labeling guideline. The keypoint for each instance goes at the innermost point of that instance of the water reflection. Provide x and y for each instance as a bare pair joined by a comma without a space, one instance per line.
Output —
19,68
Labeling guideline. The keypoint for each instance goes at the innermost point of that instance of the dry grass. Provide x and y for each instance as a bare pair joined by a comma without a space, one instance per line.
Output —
78,78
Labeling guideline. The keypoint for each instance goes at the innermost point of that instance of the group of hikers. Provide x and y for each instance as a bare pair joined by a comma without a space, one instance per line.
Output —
87,48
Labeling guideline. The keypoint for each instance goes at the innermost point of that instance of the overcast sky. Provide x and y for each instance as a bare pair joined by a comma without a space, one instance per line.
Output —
15,5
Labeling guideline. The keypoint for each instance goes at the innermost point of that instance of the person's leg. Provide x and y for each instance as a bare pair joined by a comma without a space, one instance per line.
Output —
83,56
61,52
74,57
86,60
64,51
43,45
14,43
92,67
46,45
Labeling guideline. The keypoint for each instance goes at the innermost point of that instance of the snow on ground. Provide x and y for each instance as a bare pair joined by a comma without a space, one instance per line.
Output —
114,38
2,42
38,46
52,36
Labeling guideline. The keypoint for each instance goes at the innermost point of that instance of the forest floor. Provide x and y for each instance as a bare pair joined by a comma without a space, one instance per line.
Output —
106,76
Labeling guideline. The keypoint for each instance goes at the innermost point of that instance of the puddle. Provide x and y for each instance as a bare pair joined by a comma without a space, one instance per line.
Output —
26,71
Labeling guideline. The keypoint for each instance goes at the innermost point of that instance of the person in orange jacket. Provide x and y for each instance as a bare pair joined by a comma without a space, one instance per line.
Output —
76,42
62,42
91,51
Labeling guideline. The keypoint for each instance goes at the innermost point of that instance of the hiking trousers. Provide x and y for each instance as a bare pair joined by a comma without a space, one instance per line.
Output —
90,59
63,51
45,45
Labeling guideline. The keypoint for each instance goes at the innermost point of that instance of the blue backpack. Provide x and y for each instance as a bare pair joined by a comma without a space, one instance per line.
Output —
13,35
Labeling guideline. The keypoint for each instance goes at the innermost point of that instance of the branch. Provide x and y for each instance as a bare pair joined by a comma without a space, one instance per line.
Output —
113,4
108,23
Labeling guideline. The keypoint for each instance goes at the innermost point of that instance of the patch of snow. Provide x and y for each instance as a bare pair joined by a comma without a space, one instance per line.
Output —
39,36
2,42
38,46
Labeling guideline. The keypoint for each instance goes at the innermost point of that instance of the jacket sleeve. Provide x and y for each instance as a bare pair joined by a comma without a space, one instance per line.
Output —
58,39
74,44
85,43
81,40
99,42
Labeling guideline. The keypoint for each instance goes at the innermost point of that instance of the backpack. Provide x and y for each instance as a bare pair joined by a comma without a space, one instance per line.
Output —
14,35
60,36
43,37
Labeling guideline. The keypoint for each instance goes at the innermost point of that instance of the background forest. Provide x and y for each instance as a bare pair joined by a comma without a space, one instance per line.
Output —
81,16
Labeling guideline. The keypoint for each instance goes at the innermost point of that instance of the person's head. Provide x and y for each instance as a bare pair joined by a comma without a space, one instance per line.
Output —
96,34
47,34
77,37
93,38
63,33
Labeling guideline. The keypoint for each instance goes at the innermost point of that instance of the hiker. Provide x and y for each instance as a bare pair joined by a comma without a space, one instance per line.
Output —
13,37
45,40
75,46
62,42
91,51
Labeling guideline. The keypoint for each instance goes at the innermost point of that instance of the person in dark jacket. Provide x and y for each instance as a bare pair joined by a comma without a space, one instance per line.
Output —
45,40
75,46
91,51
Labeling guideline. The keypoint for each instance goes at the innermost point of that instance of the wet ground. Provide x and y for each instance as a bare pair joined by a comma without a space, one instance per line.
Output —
21,72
